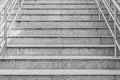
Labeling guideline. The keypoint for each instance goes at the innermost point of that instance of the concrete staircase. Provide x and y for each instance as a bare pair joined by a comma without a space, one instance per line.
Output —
60,39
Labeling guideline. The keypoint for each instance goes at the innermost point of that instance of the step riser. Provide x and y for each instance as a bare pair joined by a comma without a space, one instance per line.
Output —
82,12
60,77
61,41
61,24
60,11
60,51
62,18
59,64
59,1
78,32
59,6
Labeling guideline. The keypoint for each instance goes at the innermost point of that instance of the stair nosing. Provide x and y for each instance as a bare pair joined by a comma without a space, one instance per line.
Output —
59,58
42,28
55,36
60,46
85,72
60,21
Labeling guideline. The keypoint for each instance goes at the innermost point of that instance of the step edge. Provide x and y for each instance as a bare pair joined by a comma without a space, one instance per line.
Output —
88,72
59,58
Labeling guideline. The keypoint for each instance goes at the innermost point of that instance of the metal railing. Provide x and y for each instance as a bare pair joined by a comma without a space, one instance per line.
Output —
113,9
8,15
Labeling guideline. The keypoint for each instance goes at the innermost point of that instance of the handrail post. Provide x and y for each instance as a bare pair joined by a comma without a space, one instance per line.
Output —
19,7
5,32
110,6
115,30
99,10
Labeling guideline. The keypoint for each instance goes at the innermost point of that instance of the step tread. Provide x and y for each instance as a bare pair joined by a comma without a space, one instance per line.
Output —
59,72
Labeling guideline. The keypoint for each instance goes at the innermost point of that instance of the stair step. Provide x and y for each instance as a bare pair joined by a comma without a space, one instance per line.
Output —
35,50
59,58
63,32
58,1
60,64
22,72
82,12
61,41
59,6
63,24
58,18
60,77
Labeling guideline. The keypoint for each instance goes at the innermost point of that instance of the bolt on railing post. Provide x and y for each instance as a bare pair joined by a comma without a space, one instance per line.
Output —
5,32
99,10
115,30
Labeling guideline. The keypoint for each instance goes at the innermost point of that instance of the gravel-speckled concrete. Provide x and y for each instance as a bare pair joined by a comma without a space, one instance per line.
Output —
60,77
60,51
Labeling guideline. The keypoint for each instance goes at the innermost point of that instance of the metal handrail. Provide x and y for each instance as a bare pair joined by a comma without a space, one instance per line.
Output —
113,15
6,23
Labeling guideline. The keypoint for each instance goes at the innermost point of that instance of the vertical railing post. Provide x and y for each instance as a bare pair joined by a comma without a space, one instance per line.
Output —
19,7
115,30
110,6
5,31
99,10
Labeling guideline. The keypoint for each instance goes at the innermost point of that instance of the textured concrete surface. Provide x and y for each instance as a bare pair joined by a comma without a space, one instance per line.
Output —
60,6
61,41
61,51
62,32
61,24
59,1
85,22
64,18
59,64
59,11
59,77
